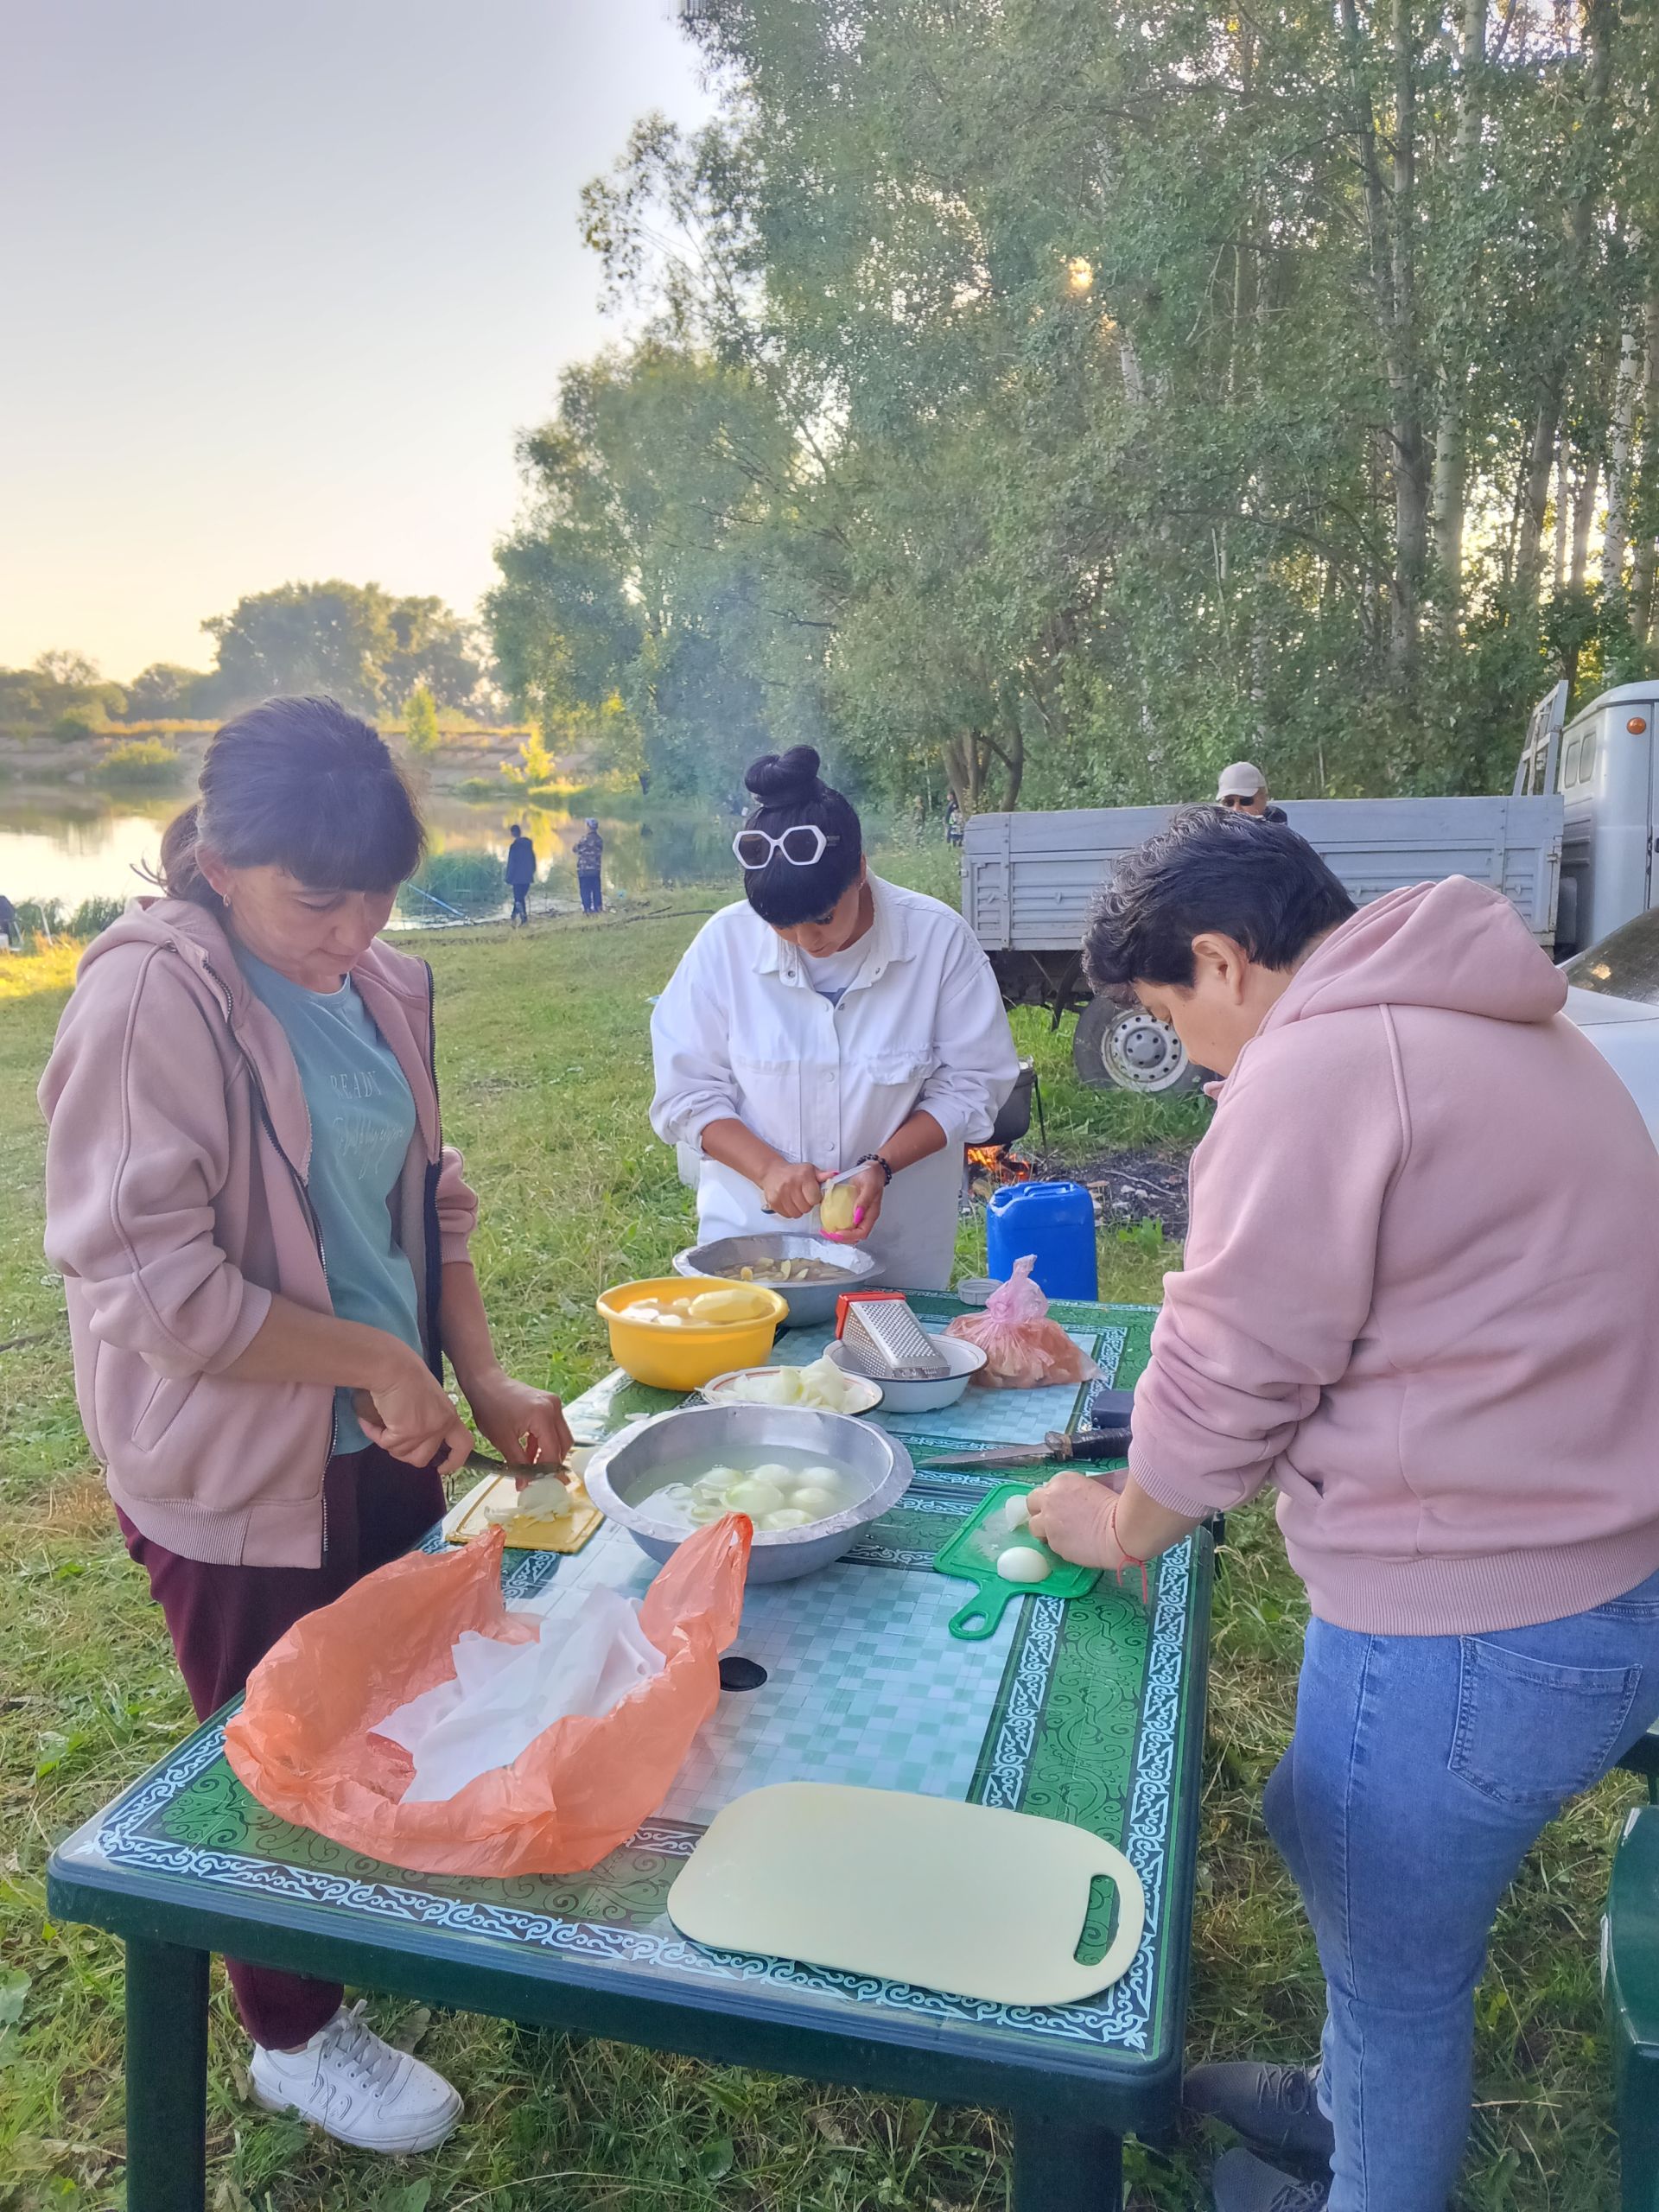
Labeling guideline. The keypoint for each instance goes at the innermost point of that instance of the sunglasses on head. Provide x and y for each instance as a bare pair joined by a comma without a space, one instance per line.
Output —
801,846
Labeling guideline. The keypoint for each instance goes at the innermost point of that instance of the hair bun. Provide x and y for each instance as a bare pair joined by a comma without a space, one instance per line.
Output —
784,779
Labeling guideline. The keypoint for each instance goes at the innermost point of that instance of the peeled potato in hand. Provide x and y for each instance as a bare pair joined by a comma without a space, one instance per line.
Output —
838,1209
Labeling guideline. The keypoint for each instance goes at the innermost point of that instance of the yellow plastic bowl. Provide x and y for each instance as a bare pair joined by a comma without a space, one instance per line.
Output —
687,1357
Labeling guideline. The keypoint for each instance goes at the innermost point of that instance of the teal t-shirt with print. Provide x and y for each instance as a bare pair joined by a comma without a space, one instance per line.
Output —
362,1123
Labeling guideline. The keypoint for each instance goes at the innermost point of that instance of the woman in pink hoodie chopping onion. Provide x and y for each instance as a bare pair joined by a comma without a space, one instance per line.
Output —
1420,1298
264,1241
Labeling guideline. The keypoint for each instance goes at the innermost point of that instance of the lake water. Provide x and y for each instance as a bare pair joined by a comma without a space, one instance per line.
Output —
70,844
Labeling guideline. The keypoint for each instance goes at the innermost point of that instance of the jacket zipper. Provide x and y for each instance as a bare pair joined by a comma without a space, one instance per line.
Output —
301,1186
428,1212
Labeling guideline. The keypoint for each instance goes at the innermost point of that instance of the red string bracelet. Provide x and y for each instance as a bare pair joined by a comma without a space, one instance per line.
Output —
1130,1559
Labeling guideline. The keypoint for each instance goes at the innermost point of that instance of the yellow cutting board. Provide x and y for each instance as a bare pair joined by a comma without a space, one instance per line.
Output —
566,1532
923,1889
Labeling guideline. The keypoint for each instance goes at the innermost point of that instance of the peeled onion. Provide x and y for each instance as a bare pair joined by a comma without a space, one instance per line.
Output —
1023,1563
754,1498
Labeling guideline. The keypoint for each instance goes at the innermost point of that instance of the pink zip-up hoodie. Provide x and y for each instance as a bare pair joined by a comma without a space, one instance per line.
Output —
1421,1286
178,1147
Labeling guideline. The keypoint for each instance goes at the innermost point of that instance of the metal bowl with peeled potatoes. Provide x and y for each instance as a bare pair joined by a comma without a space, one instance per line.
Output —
808,1302
633,1463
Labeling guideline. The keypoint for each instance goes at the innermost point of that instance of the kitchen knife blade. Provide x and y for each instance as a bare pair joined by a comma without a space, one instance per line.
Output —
1059,1445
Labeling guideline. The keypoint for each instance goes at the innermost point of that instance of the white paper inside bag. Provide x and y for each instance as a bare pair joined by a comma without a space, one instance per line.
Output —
504,1695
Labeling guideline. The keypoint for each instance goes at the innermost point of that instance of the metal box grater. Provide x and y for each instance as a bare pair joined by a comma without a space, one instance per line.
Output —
881,1336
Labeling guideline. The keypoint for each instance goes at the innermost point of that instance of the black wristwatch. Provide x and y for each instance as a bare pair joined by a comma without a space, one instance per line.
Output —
875,1160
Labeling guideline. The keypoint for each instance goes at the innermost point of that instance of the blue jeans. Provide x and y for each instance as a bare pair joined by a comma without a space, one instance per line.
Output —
1419,1772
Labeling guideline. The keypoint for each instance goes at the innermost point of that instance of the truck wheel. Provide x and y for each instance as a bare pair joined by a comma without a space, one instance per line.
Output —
1125,1048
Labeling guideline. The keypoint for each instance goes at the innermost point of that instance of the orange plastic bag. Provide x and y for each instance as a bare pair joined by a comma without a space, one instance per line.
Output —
304,1744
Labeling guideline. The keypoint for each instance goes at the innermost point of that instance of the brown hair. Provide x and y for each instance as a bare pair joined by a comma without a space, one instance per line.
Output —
302,784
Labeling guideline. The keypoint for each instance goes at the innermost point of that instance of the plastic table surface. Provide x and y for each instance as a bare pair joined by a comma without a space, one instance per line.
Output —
1089,1711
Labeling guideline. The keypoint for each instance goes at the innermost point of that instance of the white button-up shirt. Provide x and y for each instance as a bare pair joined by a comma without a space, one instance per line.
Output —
739,1033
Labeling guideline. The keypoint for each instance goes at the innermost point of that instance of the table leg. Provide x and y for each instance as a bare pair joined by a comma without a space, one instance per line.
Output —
1062,2167
166,2078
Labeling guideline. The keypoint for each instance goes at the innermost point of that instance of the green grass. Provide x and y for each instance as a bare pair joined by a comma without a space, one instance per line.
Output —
545,1069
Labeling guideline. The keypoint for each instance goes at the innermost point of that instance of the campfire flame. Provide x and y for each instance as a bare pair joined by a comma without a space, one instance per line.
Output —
994,1165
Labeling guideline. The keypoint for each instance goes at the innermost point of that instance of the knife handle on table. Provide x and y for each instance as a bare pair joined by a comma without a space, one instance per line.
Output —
1087,1443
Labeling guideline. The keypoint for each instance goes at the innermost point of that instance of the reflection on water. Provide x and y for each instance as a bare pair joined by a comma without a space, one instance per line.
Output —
72,844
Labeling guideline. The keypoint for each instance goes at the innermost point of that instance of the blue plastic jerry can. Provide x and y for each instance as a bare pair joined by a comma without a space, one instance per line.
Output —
1053,1221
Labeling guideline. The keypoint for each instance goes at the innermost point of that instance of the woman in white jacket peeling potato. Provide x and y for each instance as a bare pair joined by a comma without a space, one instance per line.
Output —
829,1021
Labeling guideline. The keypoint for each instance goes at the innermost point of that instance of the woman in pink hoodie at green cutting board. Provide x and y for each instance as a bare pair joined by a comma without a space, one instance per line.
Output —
1420,1300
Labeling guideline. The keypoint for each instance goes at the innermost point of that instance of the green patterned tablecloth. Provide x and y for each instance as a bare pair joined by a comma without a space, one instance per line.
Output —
1089,1711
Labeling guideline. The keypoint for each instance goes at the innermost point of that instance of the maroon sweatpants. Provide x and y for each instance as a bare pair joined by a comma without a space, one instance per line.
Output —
224,1620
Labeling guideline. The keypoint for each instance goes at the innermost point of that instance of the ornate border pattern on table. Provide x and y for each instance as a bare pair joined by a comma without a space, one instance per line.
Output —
1121,2019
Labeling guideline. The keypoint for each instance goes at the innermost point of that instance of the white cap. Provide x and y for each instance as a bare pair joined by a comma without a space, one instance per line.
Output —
1241,779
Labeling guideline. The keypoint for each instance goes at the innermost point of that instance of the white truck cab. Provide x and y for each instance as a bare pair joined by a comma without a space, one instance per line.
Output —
1602,765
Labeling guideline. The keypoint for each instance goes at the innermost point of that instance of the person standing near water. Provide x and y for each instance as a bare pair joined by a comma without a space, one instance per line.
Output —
521,874
590,856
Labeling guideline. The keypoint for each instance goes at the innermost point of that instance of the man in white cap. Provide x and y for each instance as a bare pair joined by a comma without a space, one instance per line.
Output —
1243,790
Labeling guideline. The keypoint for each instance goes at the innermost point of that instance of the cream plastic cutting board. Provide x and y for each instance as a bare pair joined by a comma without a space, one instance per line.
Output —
925,1889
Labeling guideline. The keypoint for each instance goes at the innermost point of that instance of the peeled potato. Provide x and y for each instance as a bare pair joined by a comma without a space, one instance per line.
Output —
734,1305
837,1207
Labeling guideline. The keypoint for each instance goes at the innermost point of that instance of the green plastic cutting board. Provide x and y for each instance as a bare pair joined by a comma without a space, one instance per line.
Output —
971,1556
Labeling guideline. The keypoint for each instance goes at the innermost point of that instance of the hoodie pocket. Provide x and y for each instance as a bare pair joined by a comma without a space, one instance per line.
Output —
166,1401
1530,1734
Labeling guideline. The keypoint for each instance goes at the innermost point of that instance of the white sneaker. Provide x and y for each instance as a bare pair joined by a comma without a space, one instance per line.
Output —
357,2088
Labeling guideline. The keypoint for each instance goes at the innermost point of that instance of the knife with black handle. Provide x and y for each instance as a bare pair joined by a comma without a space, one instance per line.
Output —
1061,1446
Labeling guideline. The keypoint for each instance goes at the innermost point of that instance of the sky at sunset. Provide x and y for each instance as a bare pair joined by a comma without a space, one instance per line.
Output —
278,286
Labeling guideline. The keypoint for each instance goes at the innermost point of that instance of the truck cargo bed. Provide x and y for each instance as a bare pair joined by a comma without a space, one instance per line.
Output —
1029,879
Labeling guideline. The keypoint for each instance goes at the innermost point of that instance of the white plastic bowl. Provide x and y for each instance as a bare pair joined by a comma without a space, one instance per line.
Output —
898,1397
718,1392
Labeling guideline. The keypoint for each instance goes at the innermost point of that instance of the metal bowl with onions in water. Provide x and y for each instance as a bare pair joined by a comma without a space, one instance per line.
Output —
624,1473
